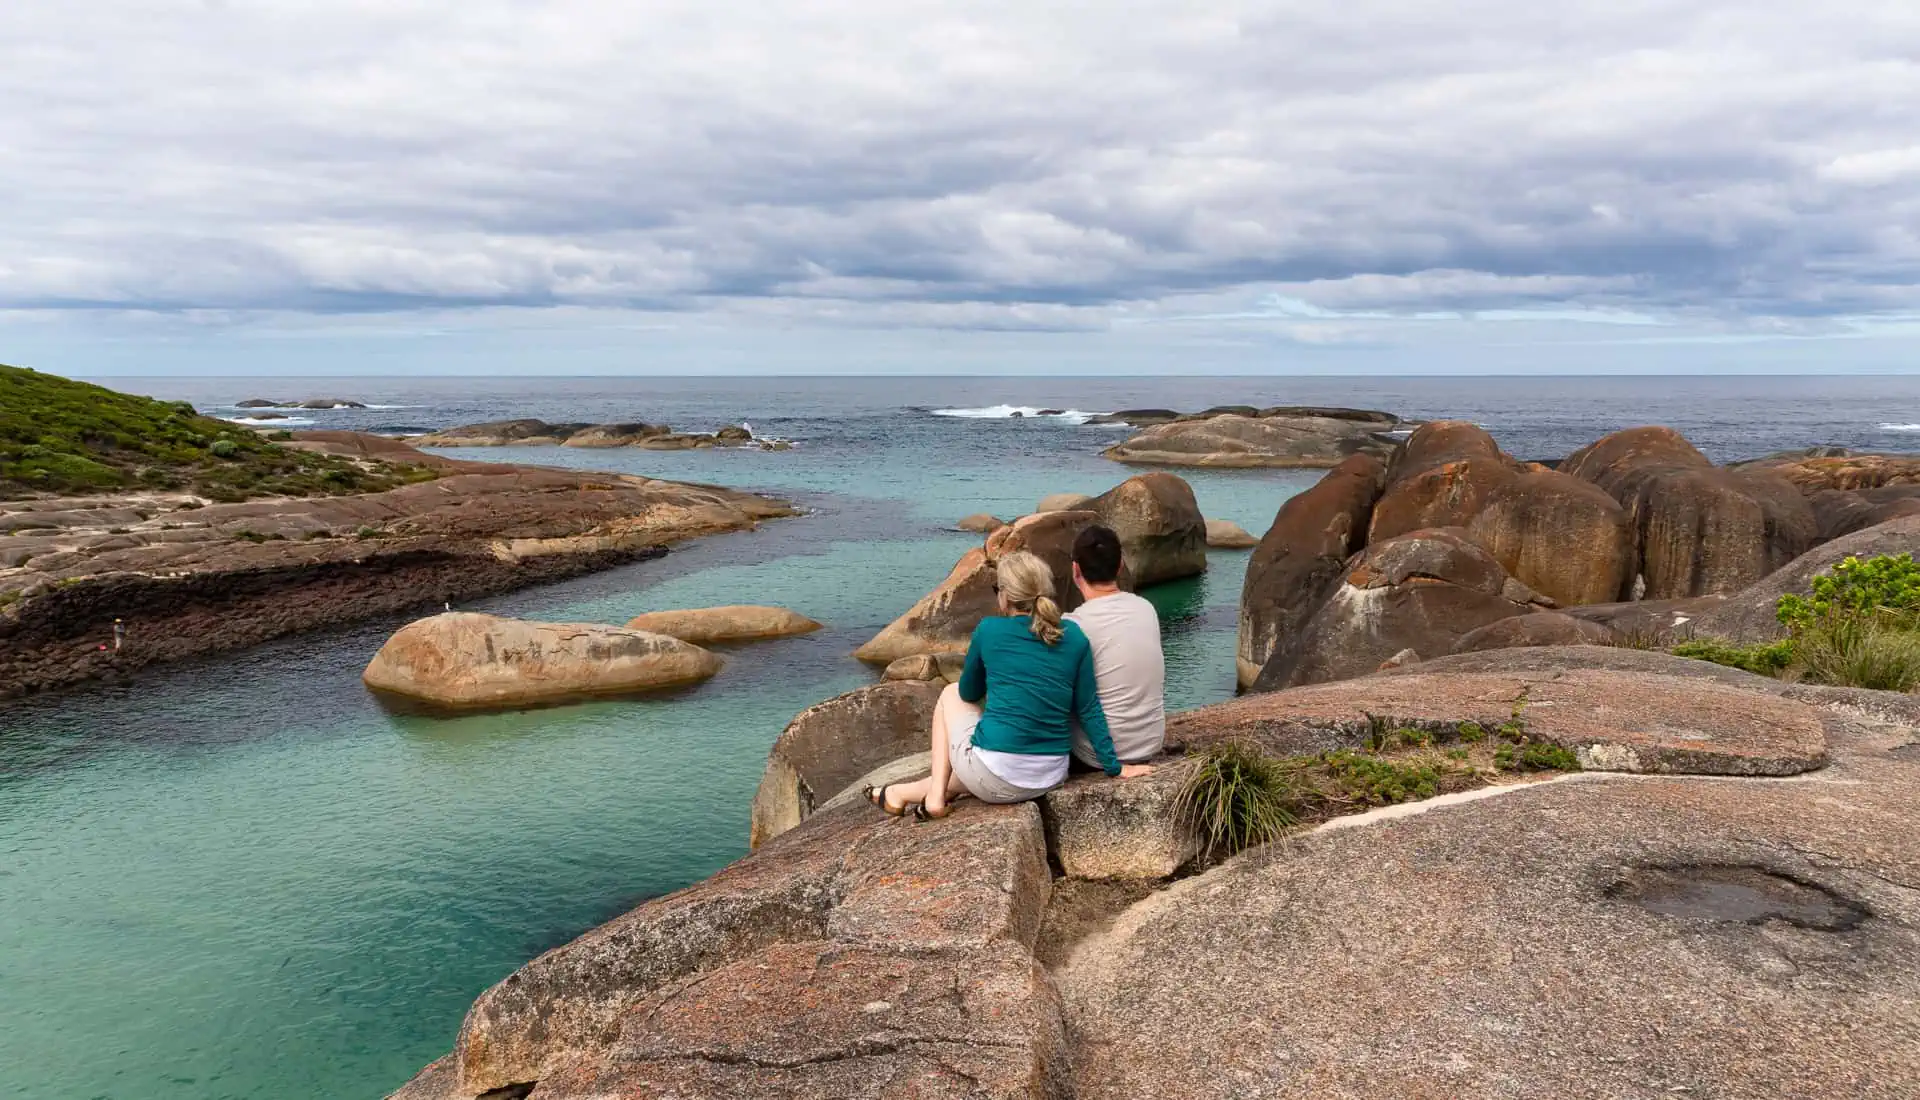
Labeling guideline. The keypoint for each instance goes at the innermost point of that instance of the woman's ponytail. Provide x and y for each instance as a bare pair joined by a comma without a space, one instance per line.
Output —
1027,584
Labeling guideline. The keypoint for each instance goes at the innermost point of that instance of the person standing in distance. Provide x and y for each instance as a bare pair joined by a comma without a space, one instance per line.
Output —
1128,665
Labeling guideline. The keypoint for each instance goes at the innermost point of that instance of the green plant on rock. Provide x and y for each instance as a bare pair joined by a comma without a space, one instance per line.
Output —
1376,782
1237,797
1769,659
1864,651
1886,586
1472,732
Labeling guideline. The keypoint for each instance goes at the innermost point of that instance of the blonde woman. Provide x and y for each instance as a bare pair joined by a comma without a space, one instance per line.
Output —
1004,733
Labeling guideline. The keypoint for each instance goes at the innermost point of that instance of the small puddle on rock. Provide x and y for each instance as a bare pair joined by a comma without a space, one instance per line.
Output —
1747,895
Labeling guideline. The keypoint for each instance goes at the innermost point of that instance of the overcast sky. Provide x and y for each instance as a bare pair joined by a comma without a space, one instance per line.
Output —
576,186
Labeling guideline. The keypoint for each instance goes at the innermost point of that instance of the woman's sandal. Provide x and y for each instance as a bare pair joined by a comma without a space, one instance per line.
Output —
921,813
878,796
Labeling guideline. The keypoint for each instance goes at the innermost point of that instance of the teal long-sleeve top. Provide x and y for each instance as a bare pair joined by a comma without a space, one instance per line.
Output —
1033,690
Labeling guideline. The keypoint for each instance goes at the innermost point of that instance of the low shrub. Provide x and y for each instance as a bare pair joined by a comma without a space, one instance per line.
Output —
1770,659
1886,586
1863,651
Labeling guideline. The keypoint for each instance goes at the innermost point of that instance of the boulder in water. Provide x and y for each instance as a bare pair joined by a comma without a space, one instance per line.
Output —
614,435
468,660
1235,441
732,623
1162,534
1300,559
1224,534
981,523
1062,502
831,744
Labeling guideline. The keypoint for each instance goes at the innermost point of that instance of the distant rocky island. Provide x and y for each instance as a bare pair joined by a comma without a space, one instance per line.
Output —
1242,436
539,433
308,403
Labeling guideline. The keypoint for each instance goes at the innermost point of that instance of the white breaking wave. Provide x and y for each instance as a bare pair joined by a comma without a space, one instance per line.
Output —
1007,412
1900,427
281,421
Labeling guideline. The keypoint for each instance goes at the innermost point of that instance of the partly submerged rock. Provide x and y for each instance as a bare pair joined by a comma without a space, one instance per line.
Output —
614,435
1162,534
1224,534
500,433
464,659
980,523
1063,502
732,623
944,667
1233,440
830,744
1300,560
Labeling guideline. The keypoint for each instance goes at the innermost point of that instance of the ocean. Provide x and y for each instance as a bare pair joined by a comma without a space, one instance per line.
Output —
241,877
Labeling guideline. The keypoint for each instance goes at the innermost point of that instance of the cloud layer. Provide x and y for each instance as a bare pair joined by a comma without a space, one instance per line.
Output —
1744,165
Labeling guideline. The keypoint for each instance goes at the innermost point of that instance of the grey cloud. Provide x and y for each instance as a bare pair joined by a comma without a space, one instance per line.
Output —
963,164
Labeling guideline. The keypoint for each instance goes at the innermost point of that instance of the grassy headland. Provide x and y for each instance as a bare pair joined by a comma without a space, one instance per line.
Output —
62,437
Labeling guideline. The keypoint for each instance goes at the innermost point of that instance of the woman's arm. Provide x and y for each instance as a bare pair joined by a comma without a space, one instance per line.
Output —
1086,704
973,674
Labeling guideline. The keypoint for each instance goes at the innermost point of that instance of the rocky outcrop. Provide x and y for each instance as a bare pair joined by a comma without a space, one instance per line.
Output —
857,949
1300,560
1838,512
1224,534
189,578
466,660
1422,591
1163,536
1232,440
1698,529
944,667
942,621
1812,472
732,623
1449,494
1442,442
539,433
1560,536
981,523
831,744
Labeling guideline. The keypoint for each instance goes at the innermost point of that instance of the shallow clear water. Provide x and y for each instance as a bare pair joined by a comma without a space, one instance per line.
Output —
242,878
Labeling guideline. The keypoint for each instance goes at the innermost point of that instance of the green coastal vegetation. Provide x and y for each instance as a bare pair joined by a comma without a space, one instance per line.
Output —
1859,627
1238,796
61,437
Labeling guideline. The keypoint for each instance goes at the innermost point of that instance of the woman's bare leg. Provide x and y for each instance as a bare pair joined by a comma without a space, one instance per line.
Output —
949,709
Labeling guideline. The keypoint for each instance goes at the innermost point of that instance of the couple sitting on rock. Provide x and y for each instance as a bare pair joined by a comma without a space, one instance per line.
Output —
1039,689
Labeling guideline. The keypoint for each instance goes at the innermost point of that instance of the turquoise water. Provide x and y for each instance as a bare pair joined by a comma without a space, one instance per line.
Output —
243,878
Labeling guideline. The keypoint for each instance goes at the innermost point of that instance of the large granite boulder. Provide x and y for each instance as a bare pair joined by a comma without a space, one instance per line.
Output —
850,952
1812,473
1423,591
831,744
1447,494
1838,512
943,620
980,523
1300,560
732,623
1748,616
1440,442
464,659
1562,537
1698,529
1163,536
1063,502
1231,440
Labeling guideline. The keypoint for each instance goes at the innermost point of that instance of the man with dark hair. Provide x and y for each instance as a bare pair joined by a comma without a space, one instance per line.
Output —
1128,666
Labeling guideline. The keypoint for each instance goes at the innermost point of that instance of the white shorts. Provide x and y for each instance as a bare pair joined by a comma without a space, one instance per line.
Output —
972,772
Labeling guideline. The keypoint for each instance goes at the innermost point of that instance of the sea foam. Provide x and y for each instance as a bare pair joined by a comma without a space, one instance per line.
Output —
1005,412
1900,427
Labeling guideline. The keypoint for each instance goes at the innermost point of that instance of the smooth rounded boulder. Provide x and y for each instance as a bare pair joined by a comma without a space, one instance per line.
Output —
1163,536
1300,559
1448,494
833,743
1698,529
980,523
1423,591
467,660
1223,534
1439,442
1062,502
732,623
1562,537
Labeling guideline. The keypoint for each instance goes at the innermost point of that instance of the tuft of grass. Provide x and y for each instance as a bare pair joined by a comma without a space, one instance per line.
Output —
1371,781
1770,659
1859,651
1472,733
1237,798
